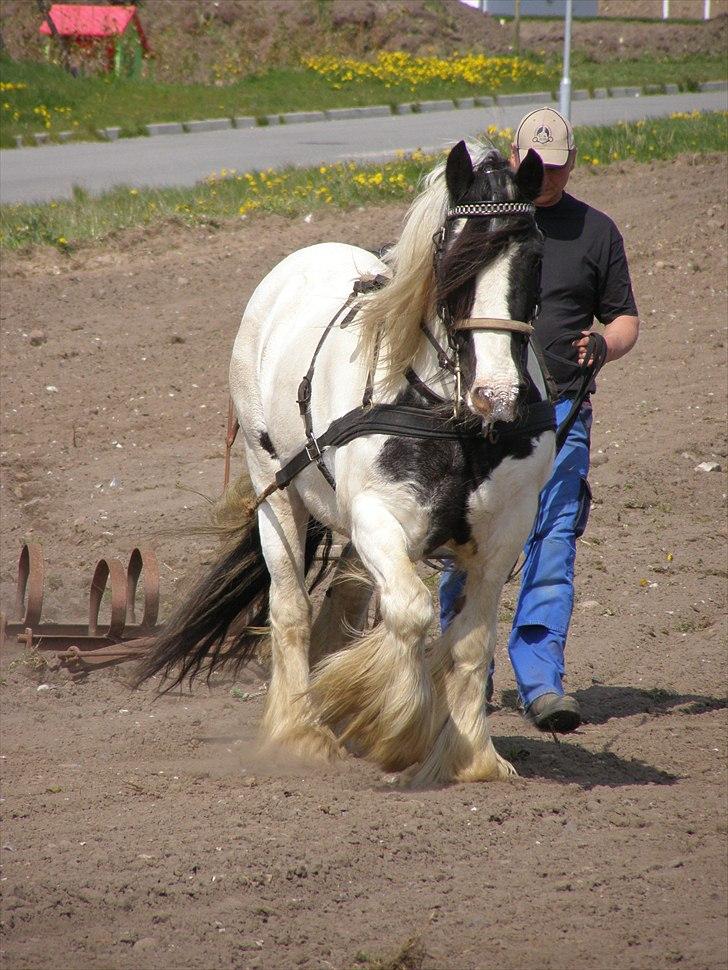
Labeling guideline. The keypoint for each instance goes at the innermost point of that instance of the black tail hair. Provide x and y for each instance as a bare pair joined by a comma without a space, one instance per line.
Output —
216,625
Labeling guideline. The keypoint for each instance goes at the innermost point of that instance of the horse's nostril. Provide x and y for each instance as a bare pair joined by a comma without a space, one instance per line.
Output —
483,400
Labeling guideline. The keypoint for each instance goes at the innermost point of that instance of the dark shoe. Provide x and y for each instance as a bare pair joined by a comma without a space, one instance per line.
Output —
554,712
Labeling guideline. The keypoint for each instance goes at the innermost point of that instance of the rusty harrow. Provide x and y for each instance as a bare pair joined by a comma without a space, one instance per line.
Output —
78,646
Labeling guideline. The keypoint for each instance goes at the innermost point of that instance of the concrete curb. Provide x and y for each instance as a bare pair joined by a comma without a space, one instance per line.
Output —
165,128
437,105
377,111
208,124
301,117
625,92
526,97
365,111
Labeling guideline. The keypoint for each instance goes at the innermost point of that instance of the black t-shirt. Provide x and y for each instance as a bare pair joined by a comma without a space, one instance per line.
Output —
584,275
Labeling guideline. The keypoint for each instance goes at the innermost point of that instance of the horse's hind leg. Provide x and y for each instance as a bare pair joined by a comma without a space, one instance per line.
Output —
283,521
345,606
380,689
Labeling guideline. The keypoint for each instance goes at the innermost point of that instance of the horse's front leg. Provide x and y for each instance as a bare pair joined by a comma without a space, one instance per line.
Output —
463,749
287,720
378,692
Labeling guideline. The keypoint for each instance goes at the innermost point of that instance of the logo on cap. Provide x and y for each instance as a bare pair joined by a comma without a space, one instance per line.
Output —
543,135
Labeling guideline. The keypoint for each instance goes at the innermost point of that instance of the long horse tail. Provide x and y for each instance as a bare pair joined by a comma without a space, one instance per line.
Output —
223,619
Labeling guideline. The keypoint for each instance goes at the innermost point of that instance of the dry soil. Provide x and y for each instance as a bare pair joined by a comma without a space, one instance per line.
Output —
141,833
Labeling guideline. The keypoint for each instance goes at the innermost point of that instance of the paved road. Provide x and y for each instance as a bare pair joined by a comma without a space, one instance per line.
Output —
50,172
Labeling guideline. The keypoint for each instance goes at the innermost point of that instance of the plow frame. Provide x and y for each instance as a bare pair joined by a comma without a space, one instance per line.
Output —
83,646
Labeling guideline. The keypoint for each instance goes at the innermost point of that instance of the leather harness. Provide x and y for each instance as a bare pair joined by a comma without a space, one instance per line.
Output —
439,422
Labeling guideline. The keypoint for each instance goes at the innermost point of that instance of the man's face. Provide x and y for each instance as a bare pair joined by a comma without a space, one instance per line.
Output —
555,178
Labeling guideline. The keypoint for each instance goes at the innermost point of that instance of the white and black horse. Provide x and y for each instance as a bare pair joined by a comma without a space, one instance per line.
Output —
452,441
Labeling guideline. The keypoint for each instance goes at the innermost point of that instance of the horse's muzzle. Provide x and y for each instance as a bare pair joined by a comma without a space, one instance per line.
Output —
494,404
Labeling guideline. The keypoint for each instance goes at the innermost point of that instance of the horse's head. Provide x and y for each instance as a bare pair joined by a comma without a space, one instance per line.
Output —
488,271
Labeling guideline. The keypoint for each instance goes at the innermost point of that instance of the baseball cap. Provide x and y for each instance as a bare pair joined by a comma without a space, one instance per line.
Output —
548,133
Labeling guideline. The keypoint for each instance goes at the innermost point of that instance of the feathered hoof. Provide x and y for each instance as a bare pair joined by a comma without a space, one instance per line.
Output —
490,767
401,779
386,713
309,742
486,765
394,752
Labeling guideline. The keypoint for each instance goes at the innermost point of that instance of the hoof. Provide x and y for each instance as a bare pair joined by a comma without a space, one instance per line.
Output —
490,768
401,779
308,742
505,769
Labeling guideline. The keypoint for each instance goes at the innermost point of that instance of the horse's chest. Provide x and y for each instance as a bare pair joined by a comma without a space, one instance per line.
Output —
445,474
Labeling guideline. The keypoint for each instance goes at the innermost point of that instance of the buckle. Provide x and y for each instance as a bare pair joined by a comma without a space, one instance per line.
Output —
312,443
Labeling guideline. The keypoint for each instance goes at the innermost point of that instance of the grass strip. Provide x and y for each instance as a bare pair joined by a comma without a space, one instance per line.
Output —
44,98
227,196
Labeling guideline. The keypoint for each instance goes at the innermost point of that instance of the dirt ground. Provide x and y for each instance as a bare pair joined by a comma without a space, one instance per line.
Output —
141,833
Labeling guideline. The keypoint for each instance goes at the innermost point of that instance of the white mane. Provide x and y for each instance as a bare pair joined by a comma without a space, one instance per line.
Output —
394,313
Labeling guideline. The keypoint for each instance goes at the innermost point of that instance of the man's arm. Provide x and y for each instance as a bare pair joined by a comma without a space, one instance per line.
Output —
620,336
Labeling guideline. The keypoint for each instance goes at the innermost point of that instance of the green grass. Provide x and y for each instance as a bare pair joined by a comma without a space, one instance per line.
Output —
687,72
51,101
229,196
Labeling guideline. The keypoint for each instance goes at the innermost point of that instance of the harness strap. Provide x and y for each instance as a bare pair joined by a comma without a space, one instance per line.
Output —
312,449
365,284
303,398
424,390
442,356
369,387
409,422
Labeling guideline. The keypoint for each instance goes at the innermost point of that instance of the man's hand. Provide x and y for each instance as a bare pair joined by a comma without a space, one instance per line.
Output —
620,336
582,345
591,344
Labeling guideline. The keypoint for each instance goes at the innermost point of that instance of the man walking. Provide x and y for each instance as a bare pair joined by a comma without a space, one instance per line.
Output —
584,275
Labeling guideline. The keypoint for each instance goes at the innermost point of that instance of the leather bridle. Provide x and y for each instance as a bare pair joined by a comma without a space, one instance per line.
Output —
451,361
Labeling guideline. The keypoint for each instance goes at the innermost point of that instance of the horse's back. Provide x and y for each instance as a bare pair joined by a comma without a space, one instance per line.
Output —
281,327
295,297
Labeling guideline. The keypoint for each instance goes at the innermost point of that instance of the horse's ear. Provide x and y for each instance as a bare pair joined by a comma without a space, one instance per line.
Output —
458,171
529,176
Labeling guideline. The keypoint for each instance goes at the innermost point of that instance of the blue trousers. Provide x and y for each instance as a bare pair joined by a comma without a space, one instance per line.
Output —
546,598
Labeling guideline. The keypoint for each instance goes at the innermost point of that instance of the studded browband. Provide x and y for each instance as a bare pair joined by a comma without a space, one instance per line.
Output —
491,209
467,211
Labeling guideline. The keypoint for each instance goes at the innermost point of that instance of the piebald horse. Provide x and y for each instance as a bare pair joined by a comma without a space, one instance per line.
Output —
442,340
